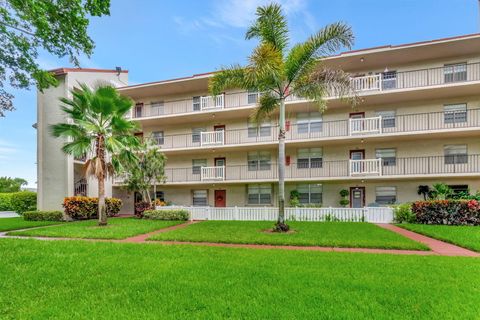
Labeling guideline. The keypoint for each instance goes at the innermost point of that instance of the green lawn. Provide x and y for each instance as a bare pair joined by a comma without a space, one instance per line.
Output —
7,224
87,280
118,228
335,234
463,236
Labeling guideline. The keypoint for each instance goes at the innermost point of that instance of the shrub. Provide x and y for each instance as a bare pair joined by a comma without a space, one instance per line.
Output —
23,201
113,206
403,213
452,212
43,215
167,214
5,202
142,206
80,208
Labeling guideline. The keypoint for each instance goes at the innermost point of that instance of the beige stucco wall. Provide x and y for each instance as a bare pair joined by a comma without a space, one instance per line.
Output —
55,170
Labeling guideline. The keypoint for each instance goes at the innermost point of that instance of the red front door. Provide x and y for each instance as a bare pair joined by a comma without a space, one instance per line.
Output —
220,198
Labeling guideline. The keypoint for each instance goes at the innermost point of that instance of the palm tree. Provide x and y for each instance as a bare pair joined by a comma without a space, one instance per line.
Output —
97,127
278,72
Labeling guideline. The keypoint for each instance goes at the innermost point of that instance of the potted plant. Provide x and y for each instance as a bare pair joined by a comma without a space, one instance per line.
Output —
344,193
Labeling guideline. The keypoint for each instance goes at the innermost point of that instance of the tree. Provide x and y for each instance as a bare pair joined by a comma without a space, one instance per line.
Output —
8,184
58,27
278,72
148,169
98,127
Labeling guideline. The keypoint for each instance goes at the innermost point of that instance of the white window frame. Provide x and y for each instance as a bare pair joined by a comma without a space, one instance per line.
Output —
388,118
257,131
157,107
309,158
455,153
309,122
260,196
200,194
197,165
158,137
386,191
197,134
306,193
455,113
388,160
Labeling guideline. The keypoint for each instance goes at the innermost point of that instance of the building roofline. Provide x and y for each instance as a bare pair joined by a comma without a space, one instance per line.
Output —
340,55
62,71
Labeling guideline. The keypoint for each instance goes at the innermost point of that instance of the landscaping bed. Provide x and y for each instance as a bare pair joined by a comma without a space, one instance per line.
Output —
117,228
463,236
329,234
74,279
8,224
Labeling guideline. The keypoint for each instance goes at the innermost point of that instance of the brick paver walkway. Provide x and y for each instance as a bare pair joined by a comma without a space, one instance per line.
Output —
437,246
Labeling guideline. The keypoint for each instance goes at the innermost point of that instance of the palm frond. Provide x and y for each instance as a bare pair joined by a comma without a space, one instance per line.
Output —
323,82
77,147
67,130
266,106
228,78
270,27
325,42
266,67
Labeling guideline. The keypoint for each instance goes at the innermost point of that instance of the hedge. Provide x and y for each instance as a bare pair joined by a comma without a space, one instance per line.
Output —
451,212
80,208
5,202
167,214
23,201
403,213
43,215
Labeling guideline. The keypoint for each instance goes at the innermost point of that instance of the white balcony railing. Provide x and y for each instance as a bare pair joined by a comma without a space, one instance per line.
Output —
212,173
212,138
210,102
366,167
367,83
371,125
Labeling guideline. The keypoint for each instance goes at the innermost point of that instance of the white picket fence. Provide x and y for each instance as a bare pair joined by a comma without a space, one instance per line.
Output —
367,214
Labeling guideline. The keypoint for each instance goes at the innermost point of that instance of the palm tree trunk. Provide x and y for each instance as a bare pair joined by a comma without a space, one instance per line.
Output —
281,164
102,214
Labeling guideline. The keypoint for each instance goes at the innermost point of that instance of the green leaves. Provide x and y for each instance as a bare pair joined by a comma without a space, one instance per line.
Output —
96,125
58,27
270,27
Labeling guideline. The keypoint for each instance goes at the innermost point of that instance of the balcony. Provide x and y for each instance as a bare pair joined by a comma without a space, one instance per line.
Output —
212,138
411,167
374,83
406,124
212,173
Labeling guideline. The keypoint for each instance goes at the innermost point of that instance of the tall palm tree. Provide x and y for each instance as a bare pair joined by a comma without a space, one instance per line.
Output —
97,127
278,72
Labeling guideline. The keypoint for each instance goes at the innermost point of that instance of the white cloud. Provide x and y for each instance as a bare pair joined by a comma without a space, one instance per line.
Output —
240,14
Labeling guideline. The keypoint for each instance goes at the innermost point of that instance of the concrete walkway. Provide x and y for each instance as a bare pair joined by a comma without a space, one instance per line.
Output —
437,247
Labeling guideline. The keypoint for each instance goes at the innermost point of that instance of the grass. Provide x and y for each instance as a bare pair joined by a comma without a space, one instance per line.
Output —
334,234
87,280
118,228
463,236
7,224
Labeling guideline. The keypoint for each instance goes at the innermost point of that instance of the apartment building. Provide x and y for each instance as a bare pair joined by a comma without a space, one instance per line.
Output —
417,124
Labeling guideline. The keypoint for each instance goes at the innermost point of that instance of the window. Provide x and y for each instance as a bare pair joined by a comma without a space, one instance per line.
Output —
309,122
252,96
388,118
196,103
200,197
160,195
309,158
455,72
386,195
158,137
388,156
455,113
459,189
310,193
138,110
389,80
197,134
455,153
197,165
157,108
260,160
262,130
259,194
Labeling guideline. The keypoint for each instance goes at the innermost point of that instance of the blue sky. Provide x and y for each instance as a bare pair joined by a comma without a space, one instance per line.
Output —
157,40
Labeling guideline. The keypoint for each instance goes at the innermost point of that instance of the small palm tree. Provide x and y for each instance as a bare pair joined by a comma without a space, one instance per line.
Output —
278,72
97,127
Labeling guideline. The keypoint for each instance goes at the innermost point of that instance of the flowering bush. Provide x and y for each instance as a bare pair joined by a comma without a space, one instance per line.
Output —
142,206
80,208
452,212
